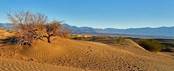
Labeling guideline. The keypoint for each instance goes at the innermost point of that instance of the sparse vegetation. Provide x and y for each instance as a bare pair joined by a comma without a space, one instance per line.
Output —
151,45
33,26
103,39
148,44
72,54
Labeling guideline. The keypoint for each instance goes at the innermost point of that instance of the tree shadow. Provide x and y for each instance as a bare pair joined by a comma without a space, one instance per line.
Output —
8,41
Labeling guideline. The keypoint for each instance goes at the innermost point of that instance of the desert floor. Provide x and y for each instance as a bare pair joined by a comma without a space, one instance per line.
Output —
75,55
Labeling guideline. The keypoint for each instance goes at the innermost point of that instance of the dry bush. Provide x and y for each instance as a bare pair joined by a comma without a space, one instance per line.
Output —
33,26
28,26
151,45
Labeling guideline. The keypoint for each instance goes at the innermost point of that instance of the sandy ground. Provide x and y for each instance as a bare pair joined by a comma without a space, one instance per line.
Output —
16,65
72,55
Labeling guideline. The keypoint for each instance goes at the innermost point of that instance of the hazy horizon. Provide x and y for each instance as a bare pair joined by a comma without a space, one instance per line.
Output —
119,14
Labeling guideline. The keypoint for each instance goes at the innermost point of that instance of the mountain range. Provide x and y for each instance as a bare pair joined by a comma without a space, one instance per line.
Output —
160,32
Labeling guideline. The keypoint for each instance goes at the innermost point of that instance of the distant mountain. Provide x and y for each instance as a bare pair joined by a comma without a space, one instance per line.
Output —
80,30
161,32
5,25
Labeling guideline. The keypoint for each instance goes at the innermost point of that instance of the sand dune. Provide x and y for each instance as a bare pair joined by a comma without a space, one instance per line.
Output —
15,65
72,55
4,34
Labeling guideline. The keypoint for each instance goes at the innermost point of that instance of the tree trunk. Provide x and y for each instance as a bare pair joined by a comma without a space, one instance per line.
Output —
49,39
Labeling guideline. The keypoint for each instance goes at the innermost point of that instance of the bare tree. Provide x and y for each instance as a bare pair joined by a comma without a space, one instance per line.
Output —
55,28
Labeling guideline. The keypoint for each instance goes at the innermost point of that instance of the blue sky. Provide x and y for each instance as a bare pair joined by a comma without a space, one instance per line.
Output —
98,13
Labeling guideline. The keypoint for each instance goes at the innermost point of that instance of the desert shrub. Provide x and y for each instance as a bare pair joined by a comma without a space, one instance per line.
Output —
119,40
34,26
28,26
151,45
